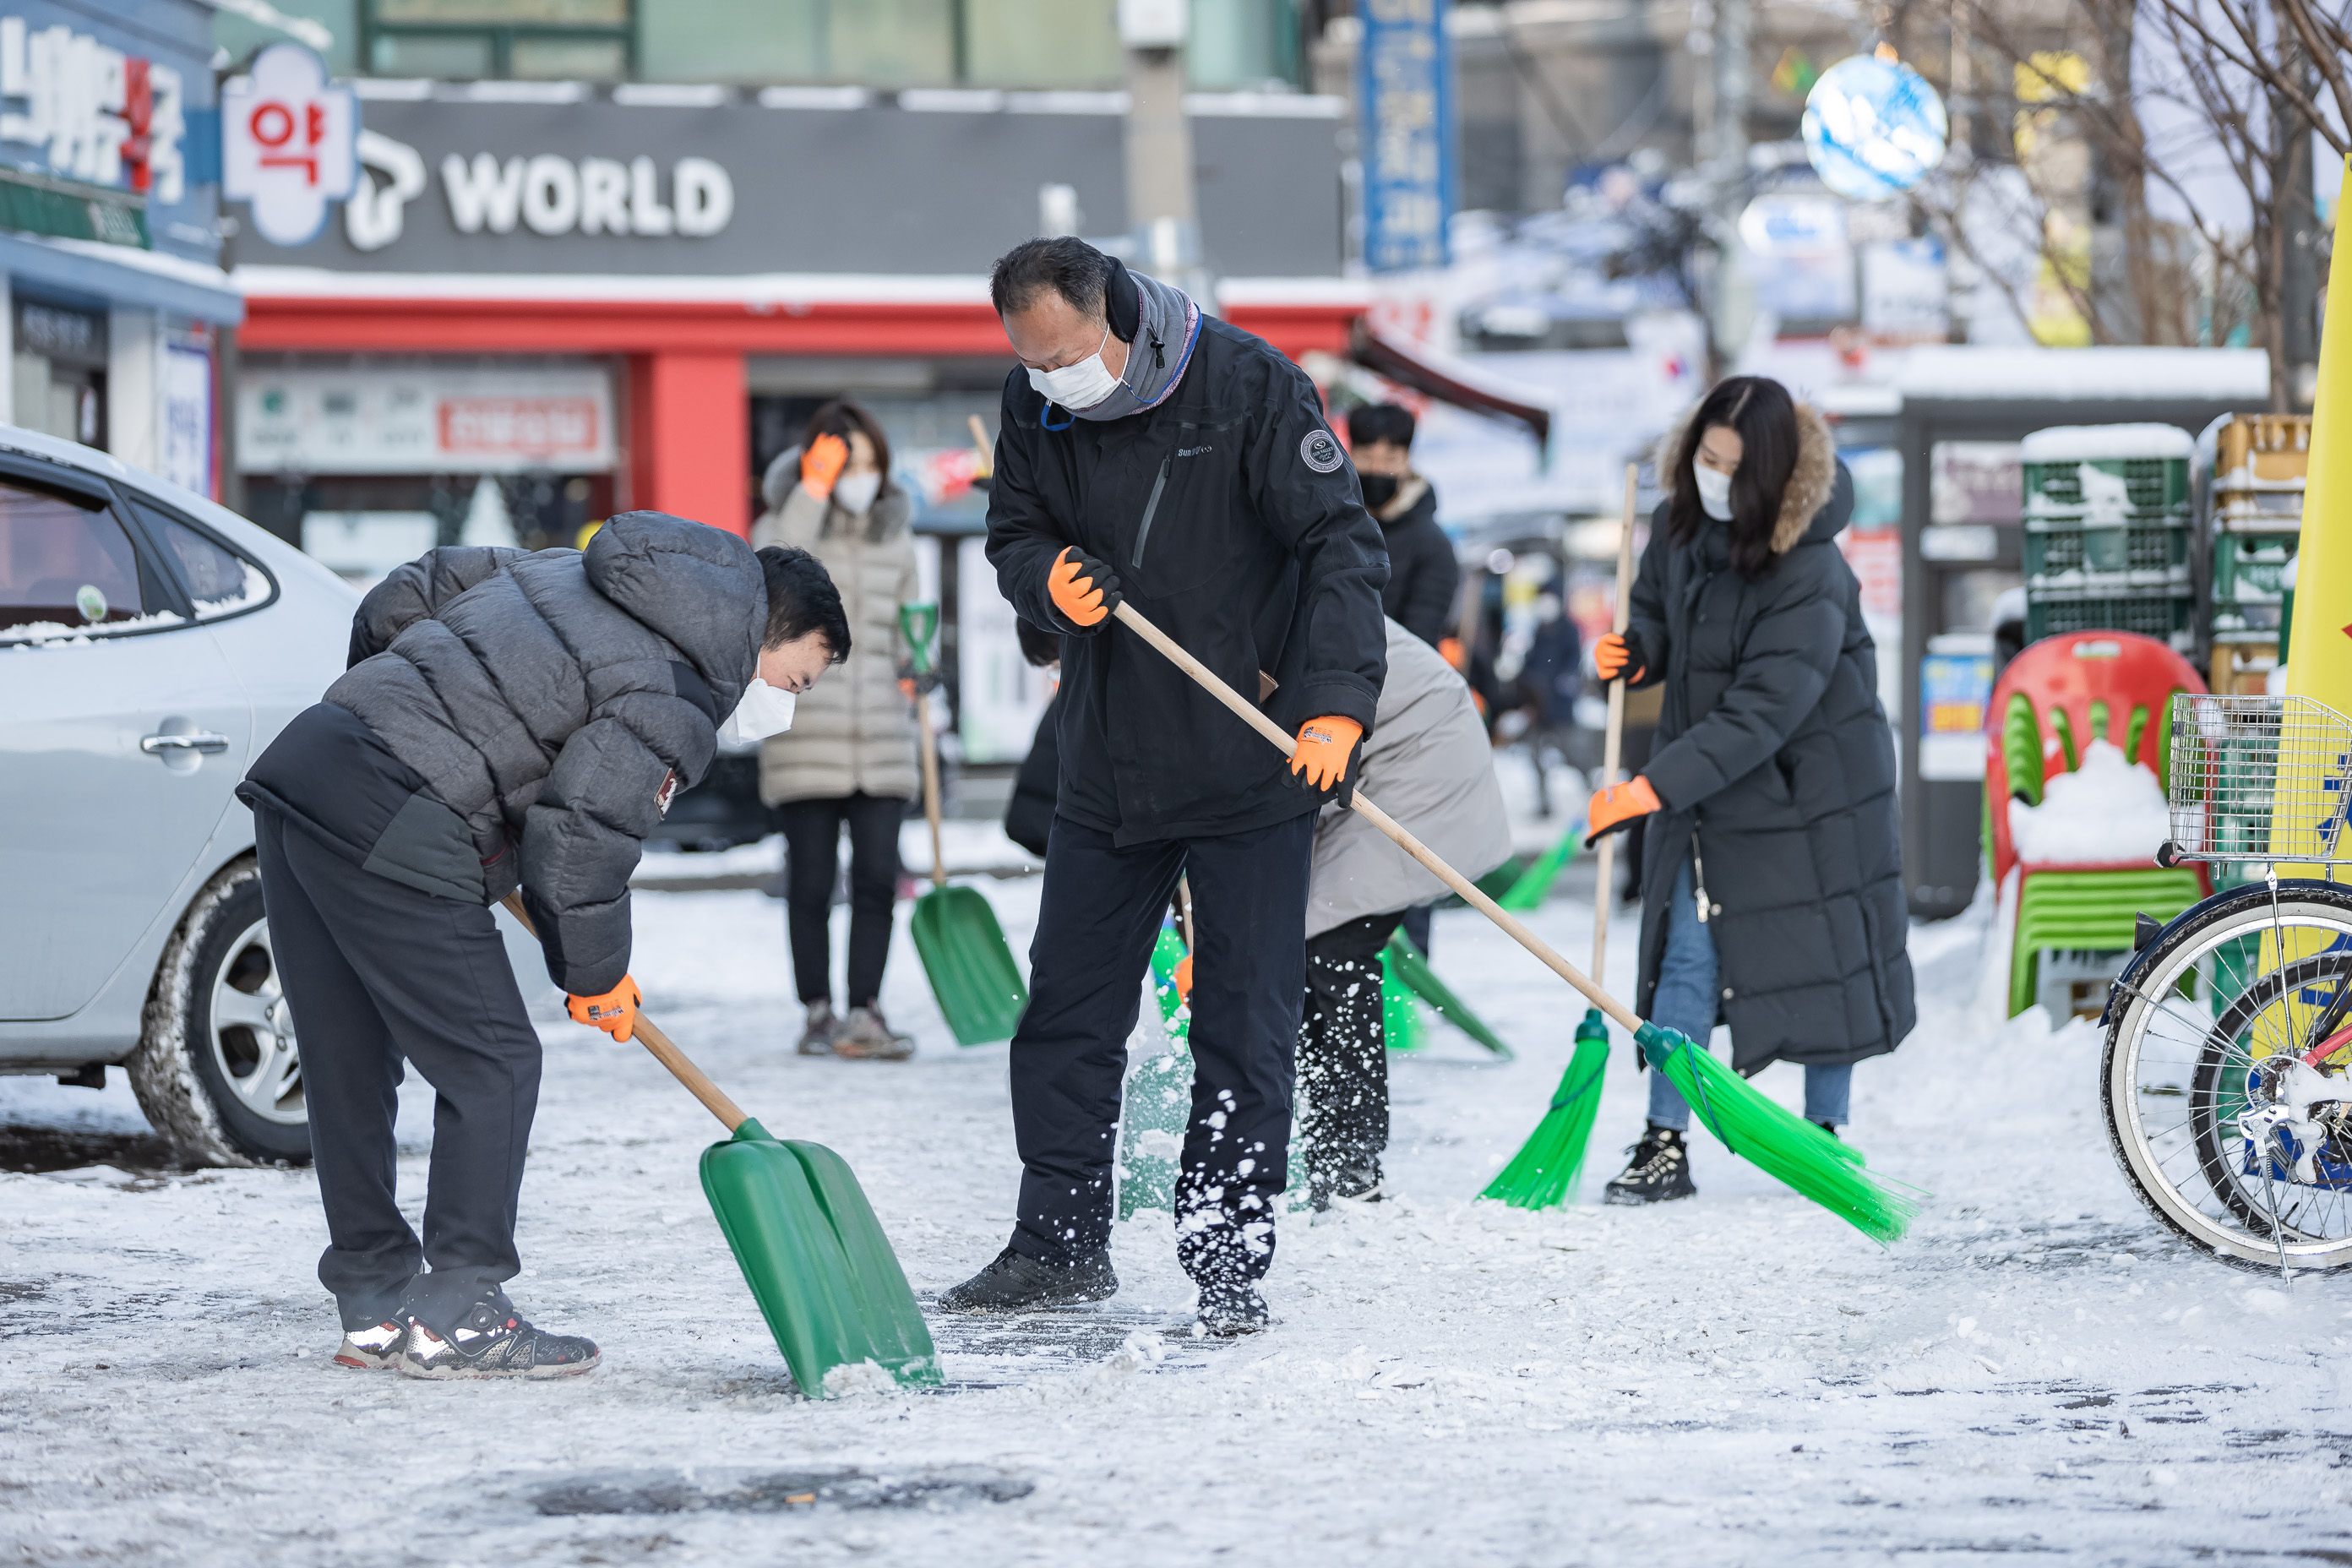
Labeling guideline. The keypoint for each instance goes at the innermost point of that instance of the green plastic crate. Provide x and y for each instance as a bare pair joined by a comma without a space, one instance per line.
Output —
2153,484
2145,553
2161,613
2246,566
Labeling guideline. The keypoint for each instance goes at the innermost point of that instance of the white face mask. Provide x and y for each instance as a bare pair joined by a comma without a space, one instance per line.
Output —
764,712
1080,385
855,492
1714,491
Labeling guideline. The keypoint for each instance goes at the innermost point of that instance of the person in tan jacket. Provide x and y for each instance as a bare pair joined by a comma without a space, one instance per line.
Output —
849,758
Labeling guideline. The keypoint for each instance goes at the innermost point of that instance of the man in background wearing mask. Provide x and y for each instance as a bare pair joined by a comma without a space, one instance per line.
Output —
1149,452
1423,576
509,718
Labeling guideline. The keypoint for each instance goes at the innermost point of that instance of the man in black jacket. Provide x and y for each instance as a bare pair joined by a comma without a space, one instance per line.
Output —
1423,576
1150,453
508,720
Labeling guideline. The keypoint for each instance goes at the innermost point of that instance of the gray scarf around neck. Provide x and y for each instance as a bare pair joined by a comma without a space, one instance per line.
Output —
1168,323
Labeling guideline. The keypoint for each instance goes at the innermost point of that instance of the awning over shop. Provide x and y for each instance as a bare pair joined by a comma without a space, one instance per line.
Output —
1444,378
91,273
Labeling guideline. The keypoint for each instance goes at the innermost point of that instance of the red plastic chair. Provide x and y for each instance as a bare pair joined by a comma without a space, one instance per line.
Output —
2058,696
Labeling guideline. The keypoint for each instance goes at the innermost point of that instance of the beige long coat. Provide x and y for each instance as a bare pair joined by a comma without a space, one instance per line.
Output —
853,730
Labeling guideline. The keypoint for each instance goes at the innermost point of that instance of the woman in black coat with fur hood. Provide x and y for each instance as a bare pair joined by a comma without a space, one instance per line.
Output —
1772,896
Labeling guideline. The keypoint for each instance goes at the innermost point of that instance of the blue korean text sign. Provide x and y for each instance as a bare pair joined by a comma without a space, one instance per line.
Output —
1405,96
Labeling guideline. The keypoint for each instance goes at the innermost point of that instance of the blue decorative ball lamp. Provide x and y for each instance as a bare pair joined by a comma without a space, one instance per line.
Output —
1874,128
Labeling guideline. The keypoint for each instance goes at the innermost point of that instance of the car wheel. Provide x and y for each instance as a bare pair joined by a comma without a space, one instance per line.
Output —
216,1069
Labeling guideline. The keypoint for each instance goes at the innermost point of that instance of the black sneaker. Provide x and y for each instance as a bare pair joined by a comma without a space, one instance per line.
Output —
1233,1308
1659,1171
1830,1128
374,1349
494,1342
1015,1282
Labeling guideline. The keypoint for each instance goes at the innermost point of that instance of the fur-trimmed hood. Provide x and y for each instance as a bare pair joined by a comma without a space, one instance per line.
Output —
1811,483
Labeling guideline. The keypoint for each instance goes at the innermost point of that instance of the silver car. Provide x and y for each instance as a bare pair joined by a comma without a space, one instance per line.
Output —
151,644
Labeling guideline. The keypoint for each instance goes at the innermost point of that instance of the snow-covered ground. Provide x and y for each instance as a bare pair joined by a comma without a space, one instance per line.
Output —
1739,1379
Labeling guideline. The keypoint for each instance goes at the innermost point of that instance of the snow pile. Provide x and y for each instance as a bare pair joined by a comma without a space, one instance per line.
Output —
2107,810
2076,443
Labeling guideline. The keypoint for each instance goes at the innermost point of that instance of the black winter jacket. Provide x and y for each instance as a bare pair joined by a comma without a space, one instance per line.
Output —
515,717
1232,518
1774,758
1423,576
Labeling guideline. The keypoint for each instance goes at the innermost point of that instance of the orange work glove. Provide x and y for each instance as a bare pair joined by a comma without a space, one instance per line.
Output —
615,1012
1609,658
1450,650
1617,806
1083,588
1326,755
1184,978
822,464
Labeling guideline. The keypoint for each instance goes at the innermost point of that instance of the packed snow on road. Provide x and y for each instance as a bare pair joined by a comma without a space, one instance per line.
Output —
2039,1368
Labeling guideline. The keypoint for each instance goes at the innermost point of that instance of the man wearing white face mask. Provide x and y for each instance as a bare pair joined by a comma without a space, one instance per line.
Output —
849,763
509,720
1149,452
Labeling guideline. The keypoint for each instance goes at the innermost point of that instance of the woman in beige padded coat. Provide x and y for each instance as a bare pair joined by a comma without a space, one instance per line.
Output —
849,758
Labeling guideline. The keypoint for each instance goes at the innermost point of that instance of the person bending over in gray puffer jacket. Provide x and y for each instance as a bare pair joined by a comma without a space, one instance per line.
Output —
508,721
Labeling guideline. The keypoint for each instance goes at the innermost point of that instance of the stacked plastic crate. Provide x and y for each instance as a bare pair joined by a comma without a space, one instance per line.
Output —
2107,525
2252,527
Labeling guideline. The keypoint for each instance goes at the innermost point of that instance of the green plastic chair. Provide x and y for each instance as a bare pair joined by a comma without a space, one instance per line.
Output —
2093,911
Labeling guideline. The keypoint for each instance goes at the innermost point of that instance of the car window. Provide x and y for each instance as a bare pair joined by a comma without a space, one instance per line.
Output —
220,581
66,569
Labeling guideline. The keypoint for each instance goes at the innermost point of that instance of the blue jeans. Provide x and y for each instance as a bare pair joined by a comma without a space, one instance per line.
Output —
1686,1001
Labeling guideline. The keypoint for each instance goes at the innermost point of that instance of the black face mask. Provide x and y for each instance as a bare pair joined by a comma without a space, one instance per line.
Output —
1379,490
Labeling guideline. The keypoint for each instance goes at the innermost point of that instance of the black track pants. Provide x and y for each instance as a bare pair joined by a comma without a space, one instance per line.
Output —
1095,924
1343,1061
812,860
377,970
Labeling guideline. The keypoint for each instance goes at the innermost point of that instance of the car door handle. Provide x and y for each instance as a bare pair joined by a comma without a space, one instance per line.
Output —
203,740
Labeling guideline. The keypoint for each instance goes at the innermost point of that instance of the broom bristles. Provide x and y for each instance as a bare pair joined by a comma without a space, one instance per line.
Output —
1546,1168
1784,1146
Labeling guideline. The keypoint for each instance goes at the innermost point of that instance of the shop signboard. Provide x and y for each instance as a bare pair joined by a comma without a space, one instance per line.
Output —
453,180
92,127
1955,689
187,417
289,143
1404,94
426,419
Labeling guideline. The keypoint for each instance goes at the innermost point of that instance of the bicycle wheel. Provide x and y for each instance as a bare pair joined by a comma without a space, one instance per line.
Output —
2225,1132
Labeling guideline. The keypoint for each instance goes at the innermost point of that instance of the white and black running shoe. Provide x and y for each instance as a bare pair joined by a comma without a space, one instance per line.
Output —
495,1342
1658,1173
373,1350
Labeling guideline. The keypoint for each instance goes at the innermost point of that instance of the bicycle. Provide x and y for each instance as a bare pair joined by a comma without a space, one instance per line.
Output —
2227,1079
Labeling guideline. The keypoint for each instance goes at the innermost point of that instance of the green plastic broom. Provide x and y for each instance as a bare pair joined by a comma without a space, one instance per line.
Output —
1545,1170
1784,1144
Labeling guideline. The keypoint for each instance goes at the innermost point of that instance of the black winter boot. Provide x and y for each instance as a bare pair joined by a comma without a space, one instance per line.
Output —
1231,1308
1015,1282
1658,1173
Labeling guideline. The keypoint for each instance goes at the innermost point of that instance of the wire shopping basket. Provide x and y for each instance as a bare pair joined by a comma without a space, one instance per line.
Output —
2260,778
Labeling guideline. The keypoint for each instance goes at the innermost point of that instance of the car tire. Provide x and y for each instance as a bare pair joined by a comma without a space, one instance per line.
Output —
216,1069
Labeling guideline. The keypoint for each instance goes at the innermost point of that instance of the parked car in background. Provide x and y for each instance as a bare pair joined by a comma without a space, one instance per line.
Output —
151,644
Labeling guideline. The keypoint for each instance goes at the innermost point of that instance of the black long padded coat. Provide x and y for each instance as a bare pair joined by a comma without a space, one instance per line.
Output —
1774,761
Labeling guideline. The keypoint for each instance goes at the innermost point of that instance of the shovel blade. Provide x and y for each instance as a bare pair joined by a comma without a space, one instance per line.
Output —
1405,962
816,1260
979,988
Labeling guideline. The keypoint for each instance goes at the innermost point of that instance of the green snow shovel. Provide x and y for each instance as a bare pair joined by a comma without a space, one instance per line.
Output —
1403,961
1157,1103
979,988
806,1239
1781,1143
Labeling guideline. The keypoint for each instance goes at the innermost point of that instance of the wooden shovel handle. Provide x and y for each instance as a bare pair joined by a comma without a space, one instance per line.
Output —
929,747
1250,715
698,1083
1613,743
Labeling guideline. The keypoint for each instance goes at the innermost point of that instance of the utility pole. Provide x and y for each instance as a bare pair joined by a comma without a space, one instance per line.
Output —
2295,212
1162,212
1726,172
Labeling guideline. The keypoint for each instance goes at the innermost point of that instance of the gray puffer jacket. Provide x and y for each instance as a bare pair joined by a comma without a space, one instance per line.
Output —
1776,769
547,706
